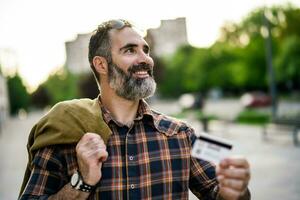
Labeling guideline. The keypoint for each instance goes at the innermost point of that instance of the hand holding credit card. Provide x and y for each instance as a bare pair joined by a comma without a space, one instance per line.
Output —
211,148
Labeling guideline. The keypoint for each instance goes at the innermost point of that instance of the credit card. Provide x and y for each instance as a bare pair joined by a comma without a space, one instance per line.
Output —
211,148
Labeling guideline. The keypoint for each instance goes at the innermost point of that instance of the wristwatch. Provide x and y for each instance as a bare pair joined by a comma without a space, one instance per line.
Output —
78,183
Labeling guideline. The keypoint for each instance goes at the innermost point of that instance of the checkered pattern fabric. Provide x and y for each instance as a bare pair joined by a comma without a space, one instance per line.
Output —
148,160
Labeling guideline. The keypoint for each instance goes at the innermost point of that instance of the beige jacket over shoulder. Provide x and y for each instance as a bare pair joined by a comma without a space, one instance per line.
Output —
65,123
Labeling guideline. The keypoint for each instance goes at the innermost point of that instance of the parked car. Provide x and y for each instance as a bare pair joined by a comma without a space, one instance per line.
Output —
256,99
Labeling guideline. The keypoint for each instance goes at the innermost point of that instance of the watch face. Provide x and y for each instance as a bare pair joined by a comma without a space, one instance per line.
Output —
75,179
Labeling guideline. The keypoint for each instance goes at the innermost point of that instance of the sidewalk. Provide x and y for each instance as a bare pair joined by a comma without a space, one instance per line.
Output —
13,154
275,164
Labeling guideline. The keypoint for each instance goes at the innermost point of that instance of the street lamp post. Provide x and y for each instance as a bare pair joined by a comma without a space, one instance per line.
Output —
268,50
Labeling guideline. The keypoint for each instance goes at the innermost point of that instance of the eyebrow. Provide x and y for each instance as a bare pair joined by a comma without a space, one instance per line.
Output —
131,45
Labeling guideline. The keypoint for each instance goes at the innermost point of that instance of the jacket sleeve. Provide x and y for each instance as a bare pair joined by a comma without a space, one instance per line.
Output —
52,167
203,182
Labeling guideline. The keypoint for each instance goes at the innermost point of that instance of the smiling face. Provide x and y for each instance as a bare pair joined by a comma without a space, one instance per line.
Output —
130,74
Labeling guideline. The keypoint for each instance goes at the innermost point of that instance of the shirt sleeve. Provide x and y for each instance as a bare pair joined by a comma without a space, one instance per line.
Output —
49,174
203,182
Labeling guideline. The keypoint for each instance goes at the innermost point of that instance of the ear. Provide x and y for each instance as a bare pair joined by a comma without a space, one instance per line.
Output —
100,64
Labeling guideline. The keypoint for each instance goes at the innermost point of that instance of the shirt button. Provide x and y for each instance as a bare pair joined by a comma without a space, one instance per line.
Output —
132,186
130,157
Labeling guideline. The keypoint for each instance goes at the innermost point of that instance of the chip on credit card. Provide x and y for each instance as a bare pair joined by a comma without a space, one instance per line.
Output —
211,148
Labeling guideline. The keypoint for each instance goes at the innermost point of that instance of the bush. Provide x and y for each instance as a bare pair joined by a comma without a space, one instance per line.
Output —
18,95
252,116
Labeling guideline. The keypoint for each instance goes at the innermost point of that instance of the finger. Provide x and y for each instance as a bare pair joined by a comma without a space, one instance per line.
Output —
99,153
93,150
83,143
235,173
95,143
219,169
229,193
102,155
235,184
90,137
238,162
223,165
86,138
85,146
220,178
92,142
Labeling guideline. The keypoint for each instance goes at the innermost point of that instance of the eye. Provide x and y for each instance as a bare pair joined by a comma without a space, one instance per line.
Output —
147,50
129,50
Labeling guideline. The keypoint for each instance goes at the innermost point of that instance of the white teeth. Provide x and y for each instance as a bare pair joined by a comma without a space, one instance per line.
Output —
141,72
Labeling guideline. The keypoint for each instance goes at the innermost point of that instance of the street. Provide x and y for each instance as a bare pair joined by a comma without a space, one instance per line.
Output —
275,164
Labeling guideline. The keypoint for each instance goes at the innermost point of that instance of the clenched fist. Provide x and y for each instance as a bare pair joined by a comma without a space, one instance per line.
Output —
233,175
91,153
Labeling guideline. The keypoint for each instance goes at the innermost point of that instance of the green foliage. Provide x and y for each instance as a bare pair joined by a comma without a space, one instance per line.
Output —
61,86
289,24
181,115
237,61
197,114
288,63
252,116
41,97
173,84
18,95
87,86
205,117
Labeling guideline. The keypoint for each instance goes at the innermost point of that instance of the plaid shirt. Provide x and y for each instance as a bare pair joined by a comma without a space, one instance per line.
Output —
149,160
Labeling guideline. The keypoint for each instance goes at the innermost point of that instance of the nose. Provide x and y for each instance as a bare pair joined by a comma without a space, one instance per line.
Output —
145,58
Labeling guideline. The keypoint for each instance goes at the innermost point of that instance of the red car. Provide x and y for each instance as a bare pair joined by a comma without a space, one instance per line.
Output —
256,99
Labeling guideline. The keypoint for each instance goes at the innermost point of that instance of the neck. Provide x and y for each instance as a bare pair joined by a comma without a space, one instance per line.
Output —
122,110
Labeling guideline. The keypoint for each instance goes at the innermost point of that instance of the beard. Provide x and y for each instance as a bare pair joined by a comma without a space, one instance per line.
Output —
130,87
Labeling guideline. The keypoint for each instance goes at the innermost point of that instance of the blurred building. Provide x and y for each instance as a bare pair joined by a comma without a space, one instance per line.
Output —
4,103
163,40
8,61
77,54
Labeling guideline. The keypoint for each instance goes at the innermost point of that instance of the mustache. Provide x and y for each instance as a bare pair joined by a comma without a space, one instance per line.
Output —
141,67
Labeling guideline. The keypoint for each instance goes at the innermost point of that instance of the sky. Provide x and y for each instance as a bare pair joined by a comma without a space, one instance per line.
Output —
33,32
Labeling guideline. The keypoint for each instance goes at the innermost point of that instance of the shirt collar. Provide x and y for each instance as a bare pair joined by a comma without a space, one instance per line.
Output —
168,126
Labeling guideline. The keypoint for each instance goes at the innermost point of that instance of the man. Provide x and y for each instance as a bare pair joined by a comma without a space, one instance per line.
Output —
147,155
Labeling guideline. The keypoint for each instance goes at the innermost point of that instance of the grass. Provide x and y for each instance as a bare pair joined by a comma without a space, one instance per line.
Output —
180,115
247,116
252,116
198,114
201,116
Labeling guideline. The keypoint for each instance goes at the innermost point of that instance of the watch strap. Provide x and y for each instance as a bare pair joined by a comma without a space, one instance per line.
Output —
82,186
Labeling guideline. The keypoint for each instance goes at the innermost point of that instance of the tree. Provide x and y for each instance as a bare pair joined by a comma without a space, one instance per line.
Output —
88,87
61,86
247,37
41,97
288,64
173,82
18,95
